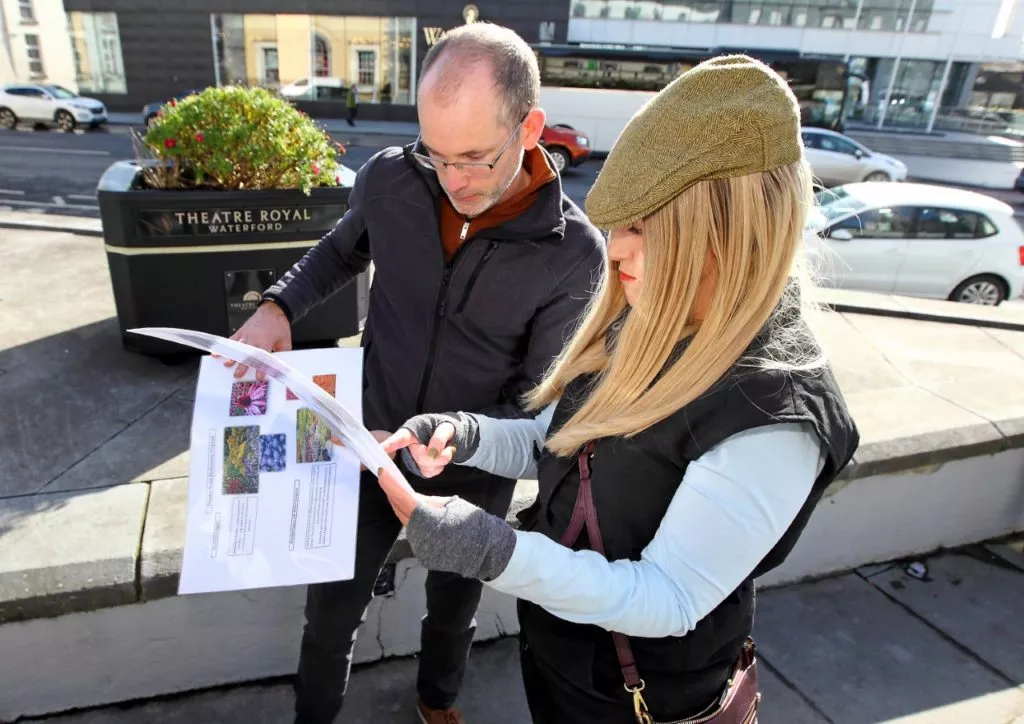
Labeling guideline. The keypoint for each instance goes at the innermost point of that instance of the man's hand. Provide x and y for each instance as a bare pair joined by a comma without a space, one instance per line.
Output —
268,329
431,458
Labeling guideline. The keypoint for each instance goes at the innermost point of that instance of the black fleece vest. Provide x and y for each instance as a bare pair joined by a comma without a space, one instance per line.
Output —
633,482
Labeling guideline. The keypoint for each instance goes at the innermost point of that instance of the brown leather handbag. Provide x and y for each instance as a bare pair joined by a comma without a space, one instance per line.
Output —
740,699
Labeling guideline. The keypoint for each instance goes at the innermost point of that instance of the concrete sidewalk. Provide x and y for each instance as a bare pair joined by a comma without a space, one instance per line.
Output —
877,645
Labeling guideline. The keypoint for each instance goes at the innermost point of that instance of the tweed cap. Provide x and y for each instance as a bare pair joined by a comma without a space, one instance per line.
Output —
728,116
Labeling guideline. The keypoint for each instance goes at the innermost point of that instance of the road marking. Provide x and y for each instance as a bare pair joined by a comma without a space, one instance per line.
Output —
46,205
82,197
42,149
12,192
59,201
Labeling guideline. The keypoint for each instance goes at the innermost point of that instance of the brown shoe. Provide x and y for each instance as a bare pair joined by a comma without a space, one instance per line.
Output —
450,715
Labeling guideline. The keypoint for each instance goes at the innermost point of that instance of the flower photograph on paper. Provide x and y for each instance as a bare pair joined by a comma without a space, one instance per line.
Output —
328,383
312,438
241,460
249,398
273,451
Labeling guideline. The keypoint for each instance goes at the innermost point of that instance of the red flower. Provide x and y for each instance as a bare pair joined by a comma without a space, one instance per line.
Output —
316,169
199,137
173,103
170,143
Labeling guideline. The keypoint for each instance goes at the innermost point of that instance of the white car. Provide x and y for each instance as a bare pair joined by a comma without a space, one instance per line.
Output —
917,240
838,159
49,104
315,89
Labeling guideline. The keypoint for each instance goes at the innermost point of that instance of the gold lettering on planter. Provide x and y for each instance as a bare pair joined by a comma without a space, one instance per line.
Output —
239,221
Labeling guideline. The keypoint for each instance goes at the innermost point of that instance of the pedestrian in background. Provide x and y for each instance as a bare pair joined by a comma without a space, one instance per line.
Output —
352,103
684,436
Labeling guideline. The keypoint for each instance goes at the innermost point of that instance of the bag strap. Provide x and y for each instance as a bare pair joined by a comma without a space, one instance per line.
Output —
584,515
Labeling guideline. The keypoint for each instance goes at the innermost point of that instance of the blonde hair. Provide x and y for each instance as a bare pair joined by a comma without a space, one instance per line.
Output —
751,228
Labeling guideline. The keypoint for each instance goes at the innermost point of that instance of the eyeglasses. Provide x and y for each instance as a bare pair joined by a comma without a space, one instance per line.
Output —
470,168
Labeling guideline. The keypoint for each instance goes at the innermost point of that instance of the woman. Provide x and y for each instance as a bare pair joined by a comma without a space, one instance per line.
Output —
684,435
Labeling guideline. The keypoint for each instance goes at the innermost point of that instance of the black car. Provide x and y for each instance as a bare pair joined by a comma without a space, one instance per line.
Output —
150,111
1020,181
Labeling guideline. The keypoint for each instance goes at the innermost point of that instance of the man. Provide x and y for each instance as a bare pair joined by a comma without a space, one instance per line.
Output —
482,267
352,103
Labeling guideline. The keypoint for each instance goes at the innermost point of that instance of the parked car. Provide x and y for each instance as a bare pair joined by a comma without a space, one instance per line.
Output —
838,159
315,89
917,240
48,104
1020,181
567,146
150,110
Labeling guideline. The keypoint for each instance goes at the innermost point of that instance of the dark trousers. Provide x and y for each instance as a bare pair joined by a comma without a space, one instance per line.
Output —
335,610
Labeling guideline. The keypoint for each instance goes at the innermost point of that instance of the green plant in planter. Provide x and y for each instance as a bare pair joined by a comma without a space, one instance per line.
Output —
235,138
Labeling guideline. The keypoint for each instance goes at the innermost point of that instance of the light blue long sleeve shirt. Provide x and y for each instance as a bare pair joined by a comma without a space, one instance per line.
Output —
733,505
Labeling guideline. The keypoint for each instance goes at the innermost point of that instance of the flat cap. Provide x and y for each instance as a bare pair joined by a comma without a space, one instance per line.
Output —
728,116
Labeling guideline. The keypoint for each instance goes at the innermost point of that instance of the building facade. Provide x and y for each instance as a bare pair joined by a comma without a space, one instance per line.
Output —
132,52
927,64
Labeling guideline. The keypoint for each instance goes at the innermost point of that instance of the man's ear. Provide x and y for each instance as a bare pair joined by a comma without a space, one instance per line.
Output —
533,127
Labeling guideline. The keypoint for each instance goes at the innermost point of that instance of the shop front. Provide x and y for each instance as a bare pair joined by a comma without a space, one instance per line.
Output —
150,51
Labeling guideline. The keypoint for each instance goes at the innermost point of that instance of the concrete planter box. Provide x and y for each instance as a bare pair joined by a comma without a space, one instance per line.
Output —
200,259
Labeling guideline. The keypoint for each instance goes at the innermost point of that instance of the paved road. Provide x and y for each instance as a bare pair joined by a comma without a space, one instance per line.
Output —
57,172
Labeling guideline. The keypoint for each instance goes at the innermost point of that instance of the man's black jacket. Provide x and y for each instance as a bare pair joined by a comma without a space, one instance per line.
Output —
471,334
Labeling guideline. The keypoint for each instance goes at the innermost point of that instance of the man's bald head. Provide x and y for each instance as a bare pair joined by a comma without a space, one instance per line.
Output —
484,54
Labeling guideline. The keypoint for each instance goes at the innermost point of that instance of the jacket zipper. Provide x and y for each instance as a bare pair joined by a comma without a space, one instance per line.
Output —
476,273
441,310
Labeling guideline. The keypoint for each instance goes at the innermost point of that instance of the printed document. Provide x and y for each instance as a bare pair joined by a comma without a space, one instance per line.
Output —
272,501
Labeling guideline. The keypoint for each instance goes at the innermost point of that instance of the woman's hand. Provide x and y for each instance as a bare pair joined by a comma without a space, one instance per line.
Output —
430,458
378,435
404,500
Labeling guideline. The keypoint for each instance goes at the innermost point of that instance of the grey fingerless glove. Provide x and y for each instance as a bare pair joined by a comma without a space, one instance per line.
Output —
461,538
465,442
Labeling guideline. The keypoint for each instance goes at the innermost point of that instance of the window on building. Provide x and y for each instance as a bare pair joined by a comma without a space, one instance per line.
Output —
270,72
321,57
27,13
96,51
35,55
366,62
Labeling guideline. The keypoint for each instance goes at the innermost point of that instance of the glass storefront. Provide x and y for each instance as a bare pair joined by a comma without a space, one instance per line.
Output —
965,97
318,57
890,15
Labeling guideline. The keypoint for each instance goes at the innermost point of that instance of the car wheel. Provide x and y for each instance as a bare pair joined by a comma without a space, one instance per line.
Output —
561,159
982,289
7,119
65,121
877,176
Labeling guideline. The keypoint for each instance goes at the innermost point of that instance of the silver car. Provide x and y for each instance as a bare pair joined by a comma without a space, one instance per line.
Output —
838,159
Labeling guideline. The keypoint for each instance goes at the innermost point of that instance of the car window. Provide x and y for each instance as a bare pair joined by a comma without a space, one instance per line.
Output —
838,145
987,227
15,91
811,140
884,223
938,223
60,92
